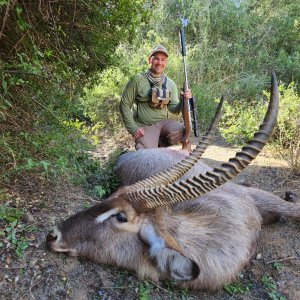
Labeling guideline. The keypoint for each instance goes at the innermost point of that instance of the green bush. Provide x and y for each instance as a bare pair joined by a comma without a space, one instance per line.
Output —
240,120
48,150
48,55
101,179
287,134
101,103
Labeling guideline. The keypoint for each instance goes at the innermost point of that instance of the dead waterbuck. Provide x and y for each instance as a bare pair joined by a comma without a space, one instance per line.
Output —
199,230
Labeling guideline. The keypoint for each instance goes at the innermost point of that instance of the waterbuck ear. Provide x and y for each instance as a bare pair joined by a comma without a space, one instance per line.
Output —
166,253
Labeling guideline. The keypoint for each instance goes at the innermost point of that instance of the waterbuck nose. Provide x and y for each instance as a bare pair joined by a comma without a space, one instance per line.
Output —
51,237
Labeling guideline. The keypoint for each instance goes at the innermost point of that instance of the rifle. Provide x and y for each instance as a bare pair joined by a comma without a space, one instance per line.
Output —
189,112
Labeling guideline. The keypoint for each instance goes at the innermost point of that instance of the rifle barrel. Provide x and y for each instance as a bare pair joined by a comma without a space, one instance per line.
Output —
185,74
182,41
183,52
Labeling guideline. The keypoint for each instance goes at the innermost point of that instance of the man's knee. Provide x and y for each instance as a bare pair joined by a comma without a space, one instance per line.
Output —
171,131
169,126
174,137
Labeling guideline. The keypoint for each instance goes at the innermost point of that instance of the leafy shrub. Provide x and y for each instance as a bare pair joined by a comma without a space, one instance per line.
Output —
101,103
240,120
101,179
287,134
47,56
48,150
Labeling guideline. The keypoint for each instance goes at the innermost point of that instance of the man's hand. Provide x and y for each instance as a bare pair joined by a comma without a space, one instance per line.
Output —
187,94
139,133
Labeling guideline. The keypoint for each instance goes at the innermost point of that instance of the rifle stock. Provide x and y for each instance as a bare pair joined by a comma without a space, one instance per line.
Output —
185,140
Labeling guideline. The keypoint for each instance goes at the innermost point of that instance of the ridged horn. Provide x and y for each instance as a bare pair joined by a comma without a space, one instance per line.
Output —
153,197
172,174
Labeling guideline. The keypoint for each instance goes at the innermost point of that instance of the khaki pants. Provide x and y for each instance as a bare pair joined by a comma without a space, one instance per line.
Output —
161,134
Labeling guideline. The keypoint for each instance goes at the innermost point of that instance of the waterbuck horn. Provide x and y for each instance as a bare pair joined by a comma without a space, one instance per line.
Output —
152,197
172,174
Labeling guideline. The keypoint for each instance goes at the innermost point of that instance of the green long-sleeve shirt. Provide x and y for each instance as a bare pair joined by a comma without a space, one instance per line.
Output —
134,106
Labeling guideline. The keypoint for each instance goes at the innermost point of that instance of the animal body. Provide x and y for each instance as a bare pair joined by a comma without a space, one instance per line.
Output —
145,163
199,231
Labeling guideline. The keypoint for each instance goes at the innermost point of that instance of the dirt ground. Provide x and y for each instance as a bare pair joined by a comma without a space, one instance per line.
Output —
273,273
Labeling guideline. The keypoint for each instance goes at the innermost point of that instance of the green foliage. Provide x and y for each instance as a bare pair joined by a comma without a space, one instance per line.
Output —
145,289
232,45
268,282
270,285
67,62
101,103
51,151
237,288
231,48
101,179
240,120
277,265
48,54
100,191
12,231
287,134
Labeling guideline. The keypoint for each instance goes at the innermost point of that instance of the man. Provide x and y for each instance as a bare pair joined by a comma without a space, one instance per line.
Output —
146,101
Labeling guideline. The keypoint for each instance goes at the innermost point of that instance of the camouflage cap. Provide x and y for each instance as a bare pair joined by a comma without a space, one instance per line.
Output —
159,48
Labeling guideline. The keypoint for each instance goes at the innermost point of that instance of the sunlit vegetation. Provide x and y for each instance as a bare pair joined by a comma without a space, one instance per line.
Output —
64,64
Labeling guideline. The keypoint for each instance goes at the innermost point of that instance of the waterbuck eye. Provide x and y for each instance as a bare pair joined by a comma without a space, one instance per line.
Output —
121,217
